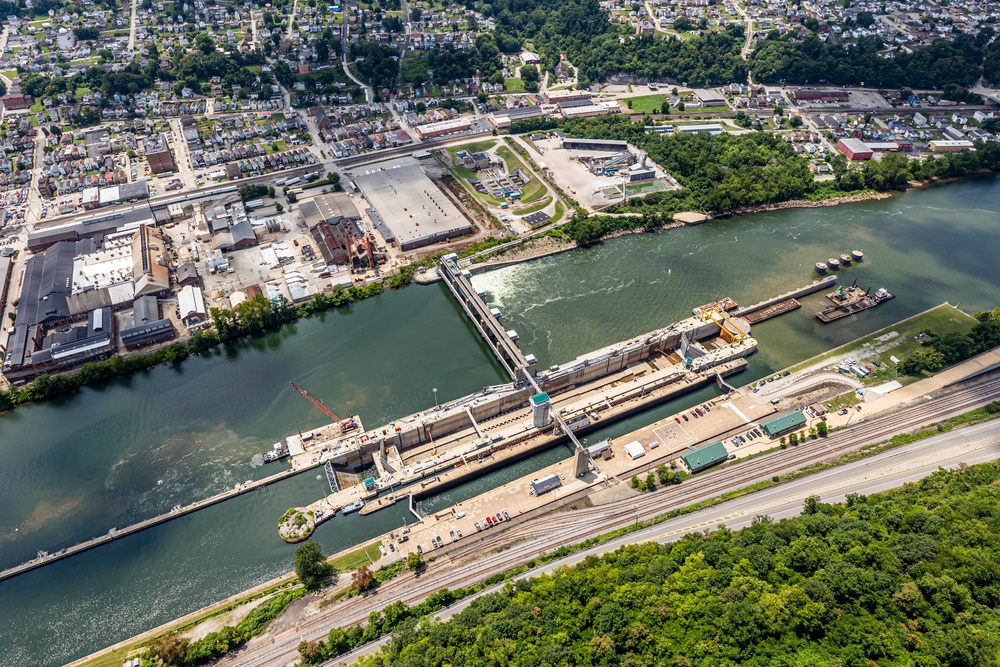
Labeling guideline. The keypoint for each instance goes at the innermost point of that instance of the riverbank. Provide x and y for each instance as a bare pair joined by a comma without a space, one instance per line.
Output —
940,382
805,203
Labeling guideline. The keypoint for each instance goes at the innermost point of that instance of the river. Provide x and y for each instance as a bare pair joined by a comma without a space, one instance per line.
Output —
108,456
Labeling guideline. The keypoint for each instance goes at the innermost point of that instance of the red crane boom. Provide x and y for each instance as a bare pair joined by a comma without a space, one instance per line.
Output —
322,408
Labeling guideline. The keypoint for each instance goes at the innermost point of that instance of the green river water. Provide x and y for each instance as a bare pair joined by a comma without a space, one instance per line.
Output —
109,456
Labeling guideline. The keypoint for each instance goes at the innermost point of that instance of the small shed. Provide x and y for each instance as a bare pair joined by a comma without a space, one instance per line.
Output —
600,450
635,450
545,484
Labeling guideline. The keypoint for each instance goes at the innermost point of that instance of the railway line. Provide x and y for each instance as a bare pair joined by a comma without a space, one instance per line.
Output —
505,548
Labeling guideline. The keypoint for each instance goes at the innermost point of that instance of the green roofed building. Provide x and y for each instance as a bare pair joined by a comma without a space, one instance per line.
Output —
789,421
705,457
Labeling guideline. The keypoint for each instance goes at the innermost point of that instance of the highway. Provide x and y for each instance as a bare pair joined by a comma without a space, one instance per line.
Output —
498,550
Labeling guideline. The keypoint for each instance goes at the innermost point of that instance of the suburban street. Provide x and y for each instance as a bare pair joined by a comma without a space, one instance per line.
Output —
496,551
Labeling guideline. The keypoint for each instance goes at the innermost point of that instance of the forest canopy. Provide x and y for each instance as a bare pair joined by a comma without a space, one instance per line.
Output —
910,577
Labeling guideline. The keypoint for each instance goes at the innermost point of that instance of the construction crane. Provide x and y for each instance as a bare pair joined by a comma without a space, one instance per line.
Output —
345,426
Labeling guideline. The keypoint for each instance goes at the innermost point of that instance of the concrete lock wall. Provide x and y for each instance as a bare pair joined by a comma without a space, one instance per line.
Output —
578,372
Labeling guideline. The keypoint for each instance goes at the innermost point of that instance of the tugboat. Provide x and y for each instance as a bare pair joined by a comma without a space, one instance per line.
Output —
278,452
353,507
882,294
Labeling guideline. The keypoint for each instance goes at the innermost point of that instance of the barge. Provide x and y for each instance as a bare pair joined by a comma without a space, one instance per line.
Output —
854,305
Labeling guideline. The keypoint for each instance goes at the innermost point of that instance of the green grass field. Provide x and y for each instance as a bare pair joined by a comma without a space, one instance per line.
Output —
537,206
477,147
357,557
559,213
513,85
646,103
898,340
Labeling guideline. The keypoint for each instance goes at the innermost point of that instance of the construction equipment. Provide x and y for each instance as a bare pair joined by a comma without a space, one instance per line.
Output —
345,425
727,328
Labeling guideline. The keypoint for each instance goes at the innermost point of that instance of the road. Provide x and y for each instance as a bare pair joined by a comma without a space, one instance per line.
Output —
748,45
522,541
132,25
369,93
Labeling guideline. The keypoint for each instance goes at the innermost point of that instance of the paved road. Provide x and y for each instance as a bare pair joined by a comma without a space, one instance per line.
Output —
132,25
498,550
873,475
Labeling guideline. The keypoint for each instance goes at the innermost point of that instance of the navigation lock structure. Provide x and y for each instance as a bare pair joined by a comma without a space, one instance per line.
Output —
422,454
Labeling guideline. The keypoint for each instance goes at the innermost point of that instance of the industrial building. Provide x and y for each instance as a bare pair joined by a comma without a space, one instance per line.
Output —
6,271
191,304
786,423
503,118
609,145
635,450
709,98
537,219
854,149
89,228
560,96
158,154
408,209
711,128
441,128
147,327
115,194
127,265
949,146
44,340
588,110
334,223
813,95
705,457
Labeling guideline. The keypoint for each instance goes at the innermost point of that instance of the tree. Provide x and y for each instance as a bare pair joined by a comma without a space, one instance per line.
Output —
311,566
650,483
414,561
362,579
310,652
821,429
171,649
278,207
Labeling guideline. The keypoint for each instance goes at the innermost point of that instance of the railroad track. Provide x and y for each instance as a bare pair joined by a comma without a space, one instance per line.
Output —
511,546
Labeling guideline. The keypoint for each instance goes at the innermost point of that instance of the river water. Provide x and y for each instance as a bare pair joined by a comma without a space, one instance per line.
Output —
131,449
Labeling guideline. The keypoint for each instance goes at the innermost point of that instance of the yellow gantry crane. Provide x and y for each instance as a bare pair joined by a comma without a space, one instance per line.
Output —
727,327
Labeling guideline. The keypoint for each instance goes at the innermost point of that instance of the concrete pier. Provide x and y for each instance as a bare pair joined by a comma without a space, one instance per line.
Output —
117,533
500,342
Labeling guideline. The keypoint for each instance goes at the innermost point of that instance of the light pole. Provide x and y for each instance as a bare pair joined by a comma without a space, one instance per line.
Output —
636,508
436,397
